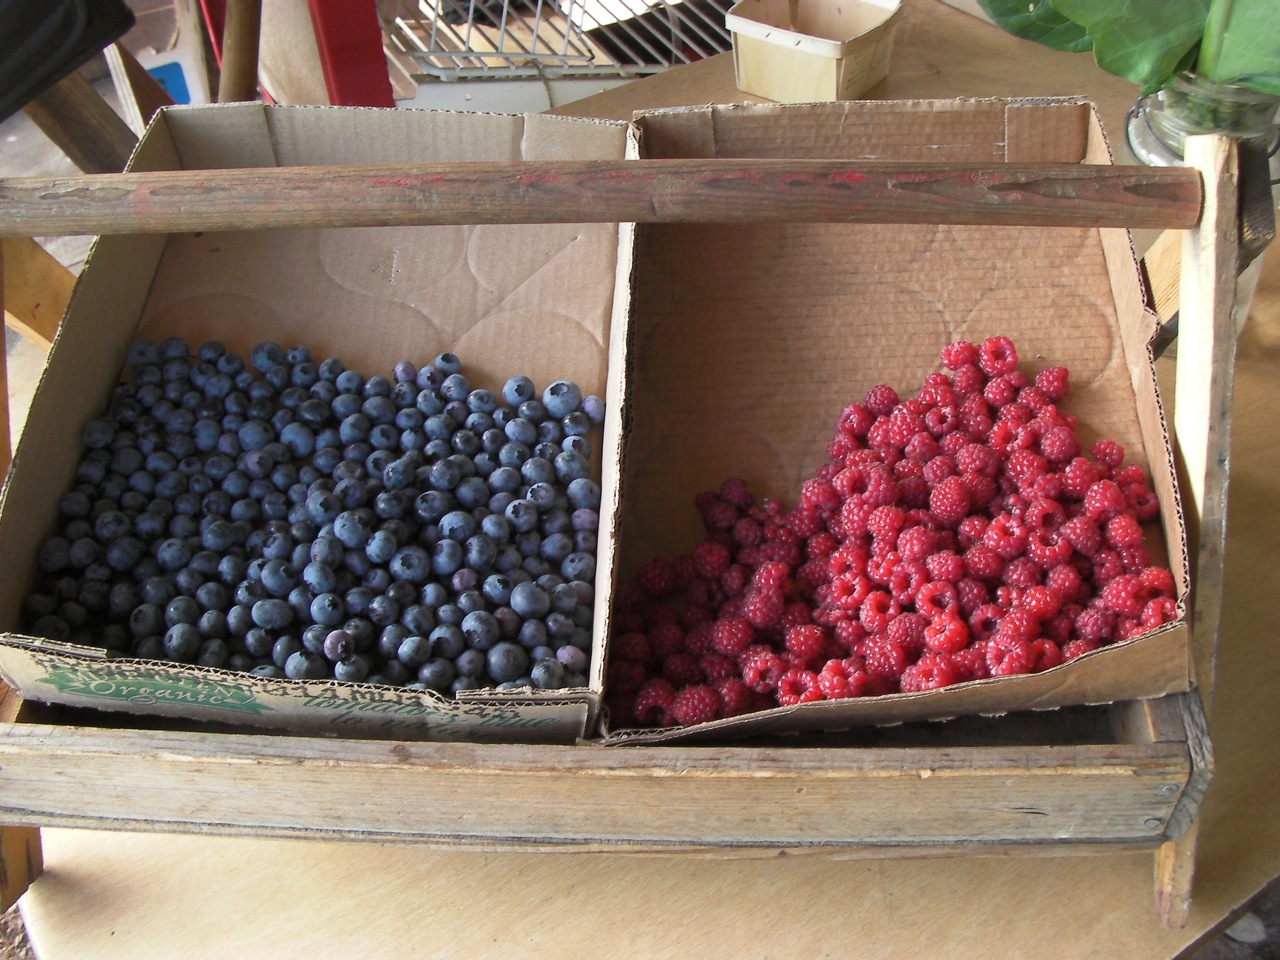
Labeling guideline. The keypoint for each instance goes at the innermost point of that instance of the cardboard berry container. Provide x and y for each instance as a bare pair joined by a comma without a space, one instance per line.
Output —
747,341
506,299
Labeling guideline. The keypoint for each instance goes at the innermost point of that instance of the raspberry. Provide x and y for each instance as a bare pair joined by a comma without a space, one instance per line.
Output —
967,379
877,610
840,679
984,621
1041,602
1044,655
1157,581
1108,454
916,544
731,635
625,676
1065,583
763,608
632,645
806,641
1124,595
907,630
653,703
734,580
696,704
943,421
919,449
1019,622
972,594
880,400
762,669
1008,655
798,686
848,590
1023,572
710,559
937,598
1046,549
1078,647
1157,611
1123,531
1095,625
930,672
971,529
1134,559
955,355
855,420
1078,476
849,633
1053,382
949,501
946,633
885,659
886,522
971,662
718,515
983,563
977,458
1000,392
982,490
1104,500
1143,503
682,669
735,492
997,356
735,697
666,638
1006,535
657,578
1059,444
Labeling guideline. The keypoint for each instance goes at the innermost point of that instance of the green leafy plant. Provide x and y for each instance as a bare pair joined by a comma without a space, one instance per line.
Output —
1151,41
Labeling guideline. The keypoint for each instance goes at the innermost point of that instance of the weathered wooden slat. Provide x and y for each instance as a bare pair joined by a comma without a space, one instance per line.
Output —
641,191
37,289
507,794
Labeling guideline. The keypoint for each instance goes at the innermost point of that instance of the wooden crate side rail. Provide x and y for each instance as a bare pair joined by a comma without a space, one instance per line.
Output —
732,797
640,191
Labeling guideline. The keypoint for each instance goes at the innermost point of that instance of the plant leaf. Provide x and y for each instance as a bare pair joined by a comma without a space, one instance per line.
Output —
1242,41
1037,20
1142,40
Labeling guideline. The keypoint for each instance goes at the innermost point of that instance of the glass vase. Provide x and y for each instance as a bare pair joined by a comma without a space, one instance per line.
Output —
1160,123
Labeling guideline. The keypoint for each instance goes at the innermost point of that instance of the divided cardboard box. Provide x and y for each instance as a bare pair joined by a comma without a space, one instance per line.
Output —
722,351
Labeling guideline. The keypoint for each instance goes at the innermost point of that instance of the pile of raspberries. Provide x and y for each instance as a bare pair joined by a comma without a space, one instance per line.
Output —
953,536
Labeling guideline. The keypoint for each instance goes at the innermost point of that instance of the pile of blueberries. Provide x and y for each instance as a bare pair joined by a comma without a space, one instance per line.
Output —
293,518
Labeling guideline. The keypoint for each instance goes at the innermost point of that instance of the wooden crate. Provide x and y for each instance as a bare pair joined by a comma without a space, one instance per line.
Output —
1130,775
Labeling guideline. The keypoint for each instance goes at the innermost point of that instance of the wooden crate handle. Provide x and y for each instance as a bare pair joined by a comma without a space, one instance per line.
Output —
640,191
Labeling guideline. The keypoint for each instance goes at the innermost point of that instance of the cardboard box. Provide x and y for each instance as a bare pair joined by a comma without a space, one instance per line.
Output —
799,51
748,340
507,299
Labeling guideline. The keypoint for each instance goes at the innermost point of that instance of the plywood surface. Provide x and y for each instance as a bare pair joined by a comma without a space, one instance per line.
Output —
111,895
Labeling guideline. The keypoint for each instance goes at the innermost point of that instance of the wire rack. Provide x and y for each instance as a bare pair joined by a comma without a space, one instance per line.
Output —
471,39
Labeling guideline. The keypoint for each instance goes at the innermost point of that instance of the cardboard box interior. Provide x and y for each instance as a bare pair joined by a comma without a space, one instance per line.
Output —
748,341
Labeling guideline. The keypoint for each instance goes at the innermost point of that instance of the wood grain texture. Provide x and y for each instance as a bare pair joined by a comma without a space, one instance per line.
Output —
642,191
661,796
37,289
1204,382
239,77
20,862
83,125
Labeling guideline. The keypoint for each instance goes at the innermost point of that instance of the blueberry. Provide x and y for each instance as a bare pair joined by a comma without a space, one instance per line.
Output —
529,600
480,629
353,669
446,557
470,663
305,665
571,466
437,674
506,662
518,389
328,609
182,642
548,674
414,651
338,645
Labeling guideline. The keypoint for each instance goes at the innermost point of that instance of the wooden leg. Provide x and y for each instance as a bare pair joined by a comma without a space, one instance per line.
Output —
1175,868
36,292
83,125
240,36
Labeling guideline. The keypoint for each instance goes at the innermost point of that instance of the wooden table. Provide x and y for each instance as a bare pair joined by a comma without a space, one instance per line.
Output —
106,895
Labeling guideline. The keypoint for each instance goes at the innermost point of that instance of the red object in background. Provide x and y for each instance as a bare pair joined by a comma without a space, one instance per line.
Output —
349,39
